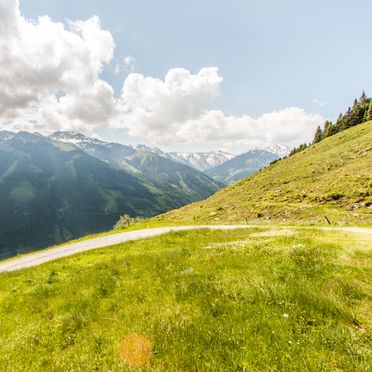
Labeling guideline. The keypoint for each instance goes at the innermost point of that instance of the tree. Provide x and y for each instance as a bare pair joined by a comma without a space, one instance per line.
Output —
363,97
298,149
318,135
358,114
123,222
327,129
368,115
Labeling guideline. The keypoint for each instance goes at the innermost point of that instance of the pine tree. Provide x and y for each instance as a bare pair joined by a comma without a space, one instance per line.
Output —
318,135
302,147
363,97
358,114
368,115
327,129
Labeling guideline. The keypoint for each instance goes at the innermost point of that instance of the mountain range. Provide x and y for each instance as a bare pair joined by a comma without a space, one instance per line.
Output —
198,160
57,188
222,166
241,166
204,161
219,165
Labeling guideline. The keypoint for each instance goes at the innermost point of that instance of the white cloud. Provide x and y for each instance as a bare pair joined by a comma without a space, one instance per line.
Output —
51,70
156,109
318,102
129,63
50,79
175,111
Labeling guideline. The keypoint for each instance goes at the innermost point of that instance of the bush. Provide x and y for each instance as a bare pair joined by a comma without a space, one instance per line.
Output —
125,221
336,196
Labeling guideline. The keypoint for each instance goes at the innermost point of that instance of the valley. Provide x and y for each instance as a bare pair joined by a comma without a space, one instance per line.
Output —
73,185
53,191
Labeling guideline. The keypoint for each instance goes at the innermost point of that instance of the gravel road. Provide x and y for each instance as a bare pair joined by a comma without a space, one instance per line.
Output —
41,257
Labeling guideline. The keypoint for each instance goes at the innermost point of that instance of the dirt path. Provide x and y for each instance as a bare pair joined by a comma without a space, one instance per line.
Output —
41,257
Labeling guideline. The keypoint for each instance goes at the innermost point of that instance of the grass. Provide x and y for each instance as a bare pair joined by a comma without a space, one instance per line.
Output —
332,178
206,300
145,224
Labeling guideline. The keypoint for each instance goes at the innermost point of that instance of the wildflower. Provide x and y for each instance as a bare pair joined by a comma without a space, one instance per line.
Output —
285,315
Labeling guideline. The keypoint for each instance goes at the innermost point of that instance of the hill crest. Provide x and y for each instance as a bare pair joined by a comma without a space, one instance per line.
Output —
332,178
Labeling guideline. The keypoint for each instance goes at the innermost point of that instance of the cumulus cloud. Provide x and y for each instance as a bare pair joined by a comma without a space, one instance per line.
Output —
158,109
51,70
50,79
175,111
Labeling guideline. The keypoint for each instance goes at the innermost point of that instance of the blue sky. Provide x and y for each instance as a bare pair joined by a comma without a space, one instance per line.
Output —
314,55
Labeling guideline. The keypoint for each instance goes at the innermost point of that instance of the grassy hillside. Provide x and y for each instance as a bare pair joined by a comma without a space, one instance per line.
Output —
332,178
254,299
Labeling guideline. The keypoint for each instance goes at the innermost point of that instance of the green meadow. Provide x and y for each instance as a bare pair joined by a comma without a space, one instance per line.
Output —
284,299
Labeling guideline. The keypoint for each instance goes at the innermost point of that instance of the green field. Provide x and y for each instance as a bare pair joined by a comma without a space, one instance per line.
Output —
332,178
256,299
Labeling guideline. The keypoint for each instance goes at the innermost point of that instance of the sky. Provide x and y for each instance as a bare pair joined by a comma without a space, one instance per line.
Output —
183,75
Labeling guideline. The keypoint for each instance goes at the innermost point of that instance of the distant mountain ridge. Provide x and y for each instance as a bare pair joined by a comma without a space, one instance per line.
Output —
280,150
51,192
5,135
176,183
241,166
222,166
204,161
61,187
198,160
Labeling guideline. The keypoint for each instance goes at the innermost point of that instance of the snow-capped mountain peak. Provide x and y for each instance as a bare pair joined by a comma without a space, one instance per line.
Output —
6,135
73,137
145,148
280,150
198,160
201,160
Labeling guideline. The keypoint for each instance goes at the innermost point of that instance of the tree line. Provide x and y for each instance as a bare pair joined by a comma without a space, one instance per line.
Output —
359,113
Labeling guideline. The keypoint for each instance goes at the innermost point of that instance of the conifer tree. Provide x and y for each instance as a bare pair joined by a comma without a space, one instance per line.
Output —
327,129
363,97
358,114
368,115
318,135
